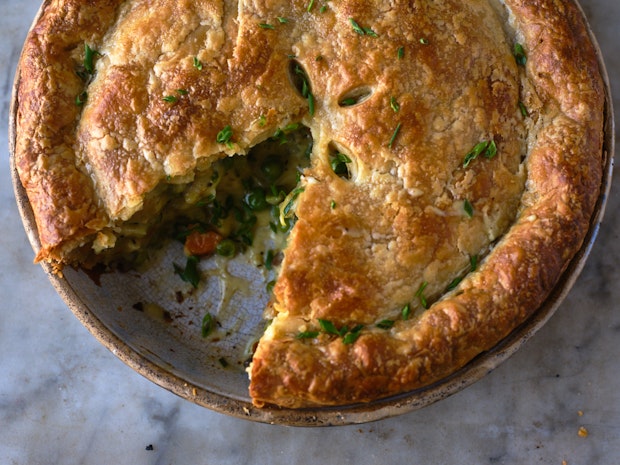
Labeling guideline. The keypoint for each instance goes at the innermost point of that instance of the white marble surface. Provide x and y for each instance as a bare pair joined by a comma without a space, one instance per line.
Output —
64,399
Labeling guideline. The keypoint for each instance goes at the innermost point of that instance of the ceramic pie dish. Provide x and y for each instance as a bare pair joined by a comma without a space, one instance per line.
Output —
442,216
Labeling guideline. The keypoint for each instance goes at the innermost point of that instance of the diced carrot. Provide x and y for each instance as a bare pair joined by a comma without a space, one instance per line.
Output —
202,243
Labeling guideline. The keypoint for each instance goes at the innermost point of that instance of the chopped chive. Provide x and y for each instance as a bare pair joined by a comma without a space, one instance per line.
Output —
224,136
523,109
282,20
400,53
420,294
197,64
170,98
89,58
406,312
455,282
394,104
356,27
307,335
310,5
190,273
266,26
332,204
473,263
394,135
519,54
207,325
468,207
81,99
328,327
385,324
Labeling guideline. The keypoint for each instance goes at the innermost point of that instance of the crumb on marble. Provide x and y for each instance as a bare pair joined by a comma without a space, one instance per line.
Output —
150,447
583,432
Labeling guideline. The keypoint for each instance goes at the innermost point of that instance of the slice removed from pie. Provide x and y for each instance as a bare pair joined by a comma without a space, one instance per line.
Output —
456,162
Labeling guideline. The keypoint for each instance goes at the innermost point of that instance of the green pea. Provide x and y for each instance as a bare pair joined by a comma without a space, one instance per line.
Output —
226,248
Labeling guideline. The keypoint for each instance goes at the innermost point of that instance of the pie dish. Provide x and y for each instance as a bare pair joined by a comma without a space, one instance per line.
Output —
471,137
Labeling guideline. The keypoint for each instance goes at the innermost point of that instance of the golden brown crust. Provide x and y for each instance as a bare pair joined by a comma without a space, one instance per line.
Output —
565,96
400,229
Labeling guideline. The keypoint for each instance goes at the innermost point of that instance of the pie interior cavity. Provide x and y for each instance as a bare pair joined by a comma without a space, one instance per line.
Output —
473,132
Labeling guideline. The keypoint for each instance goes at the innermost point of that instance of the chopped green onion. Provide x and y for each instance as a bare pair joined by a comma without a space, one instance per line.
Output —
169,98
197,64
473,262
224,136
81,99
339,164
307,335
89,58
406,312
394,104
523,109
468,207
310,5
385,324
362,30
190,273
455,282
394,135
282,20
420,294
353,335
266,26
328,327
519,54
400,53
207,325
486,148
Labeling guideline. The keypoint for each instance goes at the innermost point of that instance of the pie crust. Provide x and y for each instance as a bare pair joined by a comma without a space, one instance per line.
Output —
405,91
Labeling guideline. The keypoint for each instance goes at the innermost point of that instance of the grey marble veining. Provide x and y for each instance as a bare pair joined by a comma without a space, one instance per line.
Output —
64,399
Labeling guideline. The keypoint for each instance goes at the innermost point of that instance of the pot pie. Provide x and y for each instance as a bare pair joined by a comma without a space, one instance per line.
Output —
455,163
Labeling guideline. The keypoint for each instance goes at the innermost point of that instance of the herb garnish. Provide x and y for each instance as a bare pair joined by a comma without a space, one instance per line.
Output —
394,104
89,58
420,294
224,136
468,207
197,64
394,134
406,312
339,164
519,54
362,30
207,325
305,88
190,273
266,26
385,324
523,109
400,53
486,148
81,99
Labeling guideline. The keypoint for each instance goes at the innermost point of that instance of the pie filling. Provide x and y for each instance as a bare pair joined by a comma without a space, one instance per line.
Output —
388,152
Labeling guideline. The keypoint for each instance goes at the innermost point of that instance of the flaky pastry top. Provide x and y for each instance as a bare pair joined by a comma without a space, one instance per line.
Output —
466,163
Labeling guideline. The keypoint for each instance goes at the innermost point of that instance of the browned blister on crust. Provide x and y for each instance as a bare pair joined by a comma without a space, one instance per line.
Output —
405,92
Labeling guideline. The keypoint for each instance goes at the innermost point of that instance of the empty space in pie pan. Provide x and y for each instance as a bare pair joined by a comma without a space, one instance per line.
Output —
152,321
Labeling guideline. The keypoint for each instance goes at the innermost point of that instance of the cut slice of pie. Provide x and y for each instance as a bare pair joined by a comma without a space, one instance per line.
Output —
456,162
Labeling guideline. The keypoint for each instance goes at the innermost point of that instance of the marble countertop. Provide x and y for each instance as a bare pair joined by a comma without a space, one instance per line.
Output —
65,399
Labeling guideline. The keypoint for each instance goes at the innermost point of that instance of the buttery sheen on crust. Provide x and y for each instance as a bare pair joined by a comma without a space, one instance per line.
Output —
406,90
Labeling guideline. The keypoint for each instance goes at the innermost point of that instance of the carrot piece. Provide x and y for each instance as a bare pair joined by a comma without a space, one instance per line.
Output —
202,243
